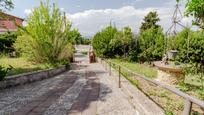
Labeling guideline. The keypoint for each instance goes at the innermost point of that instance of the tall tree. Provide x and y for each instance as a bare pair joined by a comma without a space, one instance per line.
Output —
101,41
6,5
150,21
122,40
195,8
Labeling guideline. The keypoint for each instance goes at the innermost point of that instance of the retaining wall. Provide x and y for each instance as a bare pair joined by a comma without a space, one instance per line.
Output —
25,78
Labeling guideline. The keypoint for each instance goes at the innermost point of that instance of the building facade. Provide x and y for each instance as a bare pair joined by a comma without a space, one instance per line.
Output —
9,22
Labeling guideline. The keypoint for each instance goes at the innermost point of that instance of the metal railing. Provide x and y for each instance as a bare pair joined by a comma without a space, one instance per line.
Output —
189,100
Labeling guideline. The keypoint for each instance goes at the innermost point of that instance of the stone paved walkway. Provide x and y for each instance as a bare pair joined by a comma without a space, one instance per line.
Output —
87,89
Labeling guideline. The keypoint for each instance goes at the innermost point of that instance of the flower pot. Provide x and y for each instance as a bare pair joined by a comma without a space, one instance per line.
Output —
172,54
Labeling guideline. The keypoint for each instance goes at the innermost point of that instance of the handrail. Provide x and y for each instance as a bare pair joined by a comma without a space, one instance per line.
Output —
189,99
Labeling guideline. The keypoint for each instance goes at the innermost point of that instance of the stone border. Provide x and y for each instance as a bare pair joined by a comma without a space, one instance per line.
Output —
30,77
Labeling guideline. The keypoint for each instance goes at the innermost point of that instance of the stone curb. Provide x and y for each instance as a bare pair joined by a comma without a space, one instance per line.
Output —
30,77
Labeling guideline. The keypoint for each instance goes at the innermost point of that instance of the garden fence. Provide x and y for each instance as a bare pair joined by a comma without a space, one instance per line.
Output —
189,100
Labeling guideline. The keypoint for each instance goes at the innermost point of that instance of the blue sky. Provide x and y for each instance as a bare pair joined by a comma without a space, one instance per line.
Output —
89,16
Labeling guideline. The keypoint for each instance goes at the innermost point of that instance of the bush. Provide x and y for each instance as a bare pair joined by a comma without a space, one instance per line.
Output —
151,45
46,38
101,42
122,41
3,72
6,42
22,46
190,48
84,52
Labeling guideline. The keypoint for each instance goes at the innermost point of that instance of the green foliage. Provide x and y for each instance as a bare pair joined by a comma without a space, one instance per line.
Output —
6,41
190,46
150,21
75,36
151,45
110,42
6,5
22,65
101,42
84,52
121,42
3,72
47,35
86,41
195,8
136,67
22,46
150,41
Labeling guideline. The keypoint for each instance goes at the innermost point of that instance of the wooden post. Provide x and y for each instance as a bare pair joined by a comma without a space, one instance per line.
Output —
110,69
187,107
105,65
119,82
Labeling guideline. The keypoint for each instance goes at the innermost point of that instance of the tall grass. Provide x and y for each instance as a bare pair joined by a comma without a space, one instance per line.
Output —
142,69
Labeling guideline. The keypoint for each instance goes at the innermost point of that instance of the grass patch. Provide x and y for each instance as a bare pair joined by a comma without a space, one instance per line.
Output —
142,69
195,80
21,65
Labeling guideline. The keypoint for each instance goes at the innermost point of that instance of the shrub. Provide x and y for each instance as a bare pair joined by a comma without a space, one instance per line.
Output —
151,45
101,42
22,46
122,41
3,72
191,48
47,35
6,41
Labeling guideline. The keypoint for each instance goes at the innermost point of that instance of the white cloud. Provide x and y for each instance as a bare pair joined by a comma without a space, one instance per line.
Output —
62,9
90,21
28,11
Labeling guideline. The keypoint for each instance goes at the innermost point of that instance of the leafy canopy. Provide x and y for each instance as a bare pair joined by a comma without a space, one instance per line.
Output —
101,41
150,21
47,34
151,45
121,41
195,8
150,39
6,5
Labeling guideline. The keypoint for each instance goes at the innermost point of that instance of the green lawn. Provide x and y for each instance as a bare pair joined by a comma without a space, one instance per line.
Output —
142,69
20,65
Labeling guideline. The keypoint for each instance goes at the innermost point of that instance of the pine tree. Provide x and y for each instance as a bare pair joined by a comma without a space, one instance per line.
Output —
150,21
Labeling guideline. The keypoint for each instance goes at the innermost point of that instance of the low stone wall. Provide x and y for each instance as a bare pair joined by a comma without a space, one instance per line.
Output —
31,77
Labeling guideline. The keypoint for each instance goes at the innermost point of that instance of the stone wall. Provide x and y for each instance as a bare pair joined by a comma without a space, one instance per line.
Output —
22,79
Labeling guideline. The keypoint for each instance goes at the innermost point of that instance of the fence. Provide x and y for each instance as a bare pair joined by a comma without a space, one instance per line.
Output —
189,100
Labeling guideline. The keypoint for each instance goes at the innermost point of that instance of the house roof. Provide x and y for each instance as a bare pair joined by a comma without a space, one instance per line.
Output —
4,16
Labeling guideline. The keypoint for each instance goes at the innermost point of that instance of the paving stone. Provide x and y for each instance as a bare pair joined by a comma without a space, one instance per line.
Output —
86,90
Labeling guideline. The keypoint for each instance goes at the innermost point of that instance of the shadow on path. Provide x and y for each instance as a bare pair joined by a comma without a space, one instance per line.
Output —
86,102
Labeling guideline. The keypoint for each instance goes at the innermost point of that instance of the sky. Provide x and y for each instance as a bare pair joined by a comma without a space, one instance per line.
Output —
90,16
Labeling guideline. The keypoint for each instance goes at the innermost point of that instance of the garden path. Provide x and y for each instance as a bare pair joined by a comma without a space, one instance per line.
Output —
84,90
